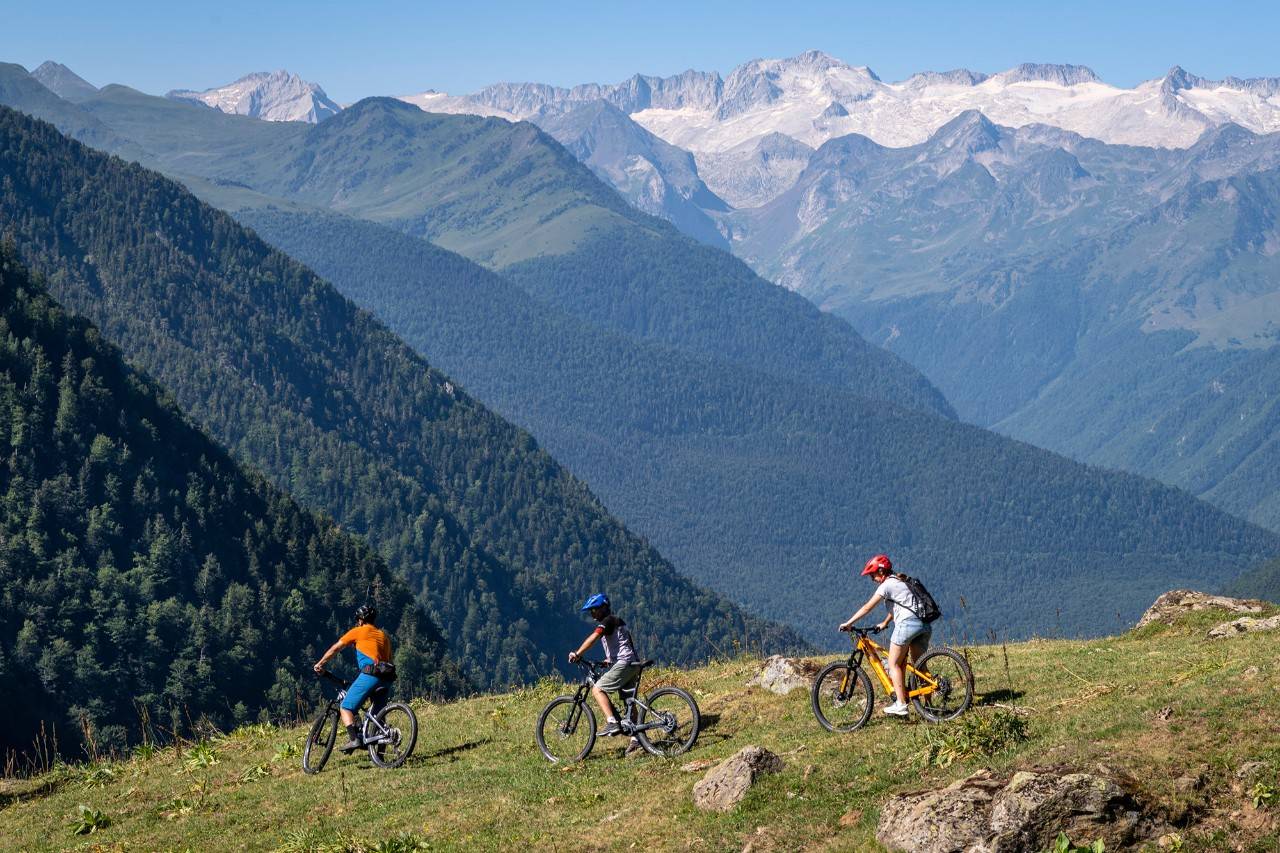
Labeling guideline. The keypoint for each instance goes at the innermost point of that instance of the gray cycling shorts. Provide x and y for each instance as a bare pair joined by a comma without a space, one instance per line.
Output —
620,676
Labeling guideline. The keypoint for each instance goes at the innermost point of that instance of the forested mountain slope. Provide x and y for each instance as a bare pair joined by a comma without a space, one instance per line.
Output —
506,194
501,542
143,571
773,491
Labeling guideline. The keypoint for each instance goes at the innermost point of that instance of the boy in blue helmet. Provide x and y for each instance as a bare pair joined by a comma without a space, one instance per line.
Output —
619,652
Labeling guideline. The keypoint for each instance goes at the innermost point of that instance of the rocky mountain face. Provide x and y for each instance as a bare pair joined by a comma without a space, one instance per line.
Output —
273,96
63,82
653,175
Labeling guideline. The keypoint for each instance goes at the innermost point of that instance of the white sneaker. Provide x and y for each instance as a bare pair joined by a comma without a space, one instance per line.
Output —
897,709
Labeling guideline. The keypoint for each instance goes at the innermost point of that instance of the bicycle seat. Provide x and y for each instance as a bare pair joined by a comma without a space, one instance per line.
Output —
645,664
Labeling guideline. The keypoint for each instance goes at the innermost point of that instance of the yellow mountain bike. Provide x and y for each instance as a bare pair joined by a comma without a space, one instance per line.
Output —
939,685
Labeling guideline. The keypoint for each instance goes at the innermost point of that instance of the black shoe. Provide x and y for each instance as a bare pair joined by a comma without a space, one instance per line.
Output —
611,729
354,741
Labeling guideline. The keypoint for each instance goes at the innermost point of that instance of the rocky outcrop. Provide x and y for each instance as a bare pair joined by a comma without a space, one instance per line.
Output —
727,783
1245,625
985,813
781,674
955,818
1172,605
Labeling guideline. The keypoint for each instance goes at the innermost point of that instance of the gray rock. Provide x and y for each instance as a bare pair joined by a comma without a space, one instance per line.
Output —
956,818
1245,625
1178,602
1250,769
1034,807
781,675
1026,812
727,783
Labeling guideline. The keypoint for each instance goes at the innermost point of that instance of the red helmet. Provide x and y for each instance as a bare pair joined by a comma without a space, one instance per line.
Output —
877,563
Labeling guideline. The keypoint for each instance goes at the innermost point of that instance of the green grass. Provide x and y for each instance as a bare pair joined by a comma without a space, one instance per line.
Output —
476,780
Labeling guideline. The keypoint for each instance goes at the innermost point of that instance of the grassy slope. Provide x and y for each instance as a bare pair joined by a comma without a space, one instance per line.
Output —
477,781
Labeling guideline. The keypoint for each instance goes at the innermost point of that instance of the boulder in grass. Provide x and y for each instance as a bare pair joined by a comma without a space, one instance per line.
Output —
781,674
951,819
727,783
1245,625
1168,607
994,814
1034,807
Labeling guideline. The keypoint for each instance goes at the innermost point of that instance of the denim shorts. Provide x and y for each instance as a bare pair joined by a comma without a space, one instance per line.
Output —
910,630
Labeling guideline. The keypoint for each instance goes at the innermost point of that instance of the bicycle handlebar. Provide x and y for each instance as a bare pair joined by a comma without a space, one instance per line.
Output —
324,673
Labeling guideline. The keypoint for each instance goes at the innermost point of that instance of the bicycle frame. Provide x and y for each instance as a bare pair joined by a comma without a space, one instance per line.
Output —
873,652
363,718
630,703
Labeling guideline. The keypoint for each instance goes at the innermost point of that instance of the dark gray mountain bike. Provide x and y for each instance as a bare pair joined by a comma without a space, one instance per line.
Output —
665,722
389,729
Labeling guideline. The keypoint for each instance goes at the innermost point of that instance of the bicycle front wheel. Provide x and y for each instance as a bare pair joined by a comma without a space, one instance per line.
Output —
566,730
842,697
954,693
395,733
679,720
320,739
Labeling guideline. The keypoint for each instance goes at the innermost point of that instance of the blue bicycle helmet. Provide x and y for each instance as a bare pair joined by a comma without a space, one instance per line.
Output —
597,600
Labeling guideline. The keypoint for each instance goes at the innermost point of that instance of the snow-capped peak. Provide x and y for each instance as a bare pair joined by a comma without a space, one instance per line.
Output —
273,96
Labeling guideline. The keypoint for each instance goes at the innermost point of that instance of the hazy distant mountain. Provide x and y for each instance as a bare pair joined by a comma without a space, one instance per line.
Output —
21,90
1115,303
274,96
63,82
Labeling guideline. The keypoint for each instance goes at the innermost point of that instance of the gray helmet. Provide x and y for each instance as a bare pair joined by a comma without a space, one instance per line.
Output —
366,613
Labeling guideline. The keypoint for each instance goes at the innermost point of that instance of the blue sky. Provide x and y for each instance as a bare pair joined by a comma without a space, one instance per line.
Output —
354,50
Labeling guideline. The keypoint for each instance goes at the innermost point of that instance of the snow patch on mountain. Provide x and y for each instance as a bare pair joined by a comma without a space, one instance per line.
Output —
273,96
432,101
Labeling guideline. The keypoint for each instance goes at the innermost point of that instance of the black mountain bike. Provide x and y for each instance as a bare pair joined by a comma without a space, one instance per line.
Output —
389,729
665,722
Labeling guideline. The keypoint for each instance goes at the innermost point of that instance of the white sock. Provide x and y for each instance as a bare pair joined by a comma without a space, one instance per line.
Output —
613,720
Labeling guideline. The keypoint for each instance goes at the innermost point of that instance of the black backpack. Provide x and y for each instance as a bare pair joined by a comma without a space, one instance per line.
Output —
929,610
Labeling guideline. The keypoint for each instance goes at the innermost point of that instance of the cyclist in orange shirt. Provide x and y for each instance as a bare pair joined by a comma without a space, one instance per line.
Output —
373,656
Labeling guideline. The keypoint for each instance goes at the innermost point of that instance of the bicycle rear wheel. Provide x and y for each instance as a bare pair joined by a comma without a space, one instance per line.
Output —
566,730
842,698
396,738
320,739
678,713
954,694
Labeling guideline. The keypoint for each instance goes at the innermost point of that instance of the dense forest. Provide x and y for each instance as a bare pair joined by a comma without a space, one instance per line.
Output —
499,540
744,479
143,574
